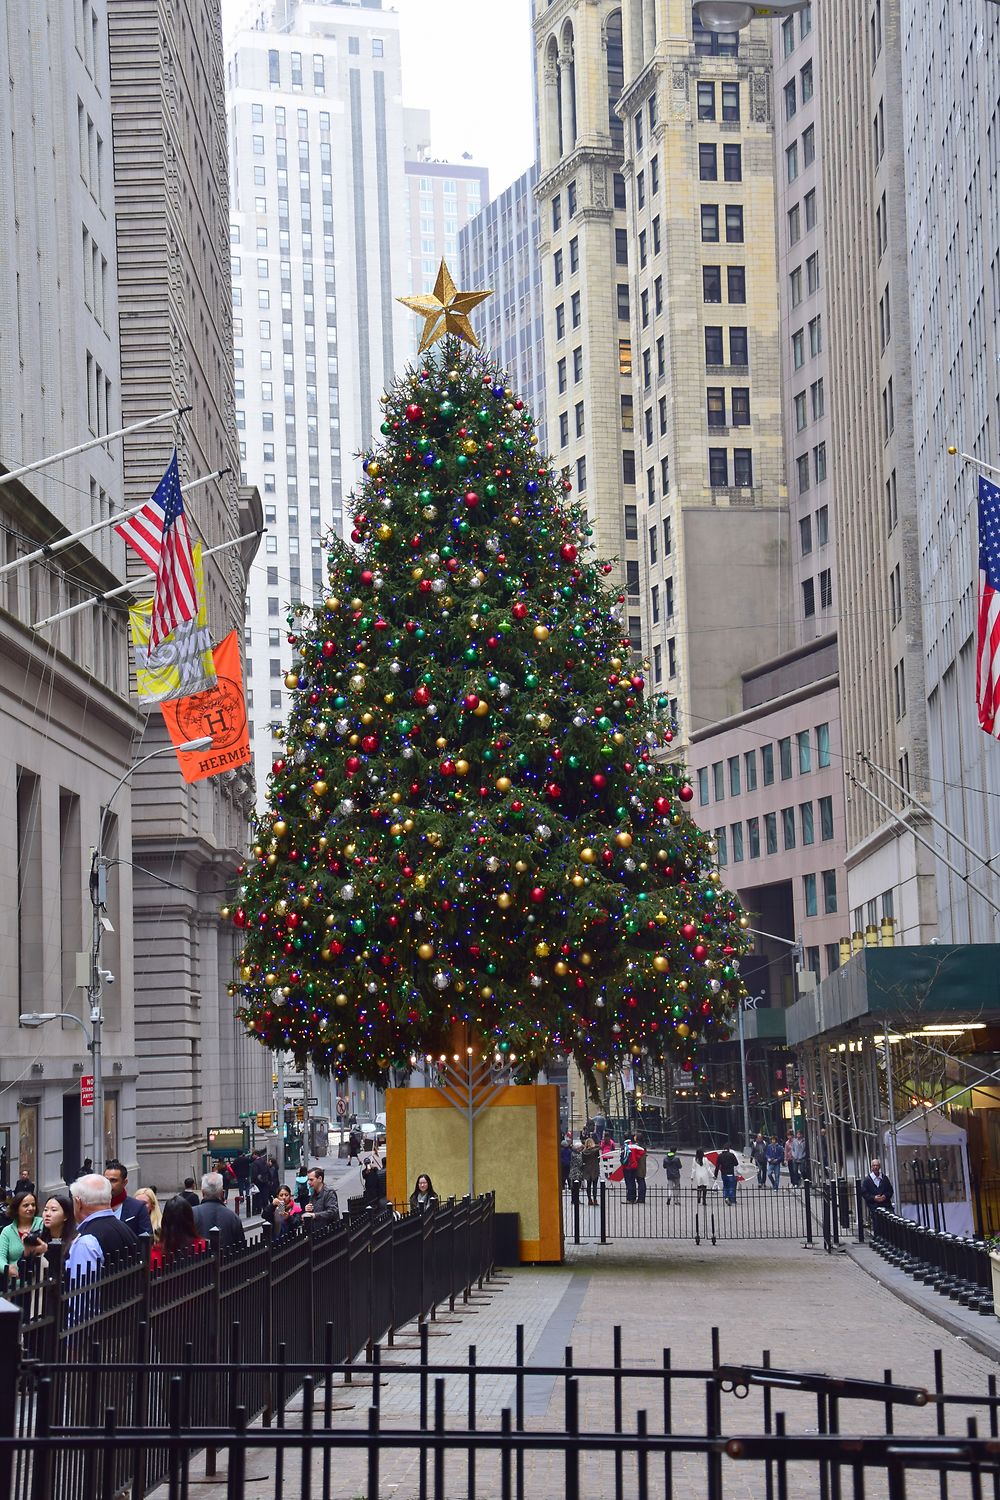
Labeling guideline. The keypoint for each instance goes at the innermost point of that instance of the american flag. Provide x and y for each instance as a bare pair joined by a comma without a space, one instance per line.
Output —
988,648
144,530
175,594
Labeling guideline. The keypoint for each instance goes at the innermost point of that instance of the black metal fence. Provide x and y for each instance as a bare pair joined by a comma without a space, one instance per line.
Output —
608,1214
954,1265
245,1327
634,1427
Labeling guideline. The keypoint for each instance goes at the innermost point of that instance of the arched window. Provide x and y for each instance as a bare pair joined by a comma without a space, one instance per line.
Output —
614,48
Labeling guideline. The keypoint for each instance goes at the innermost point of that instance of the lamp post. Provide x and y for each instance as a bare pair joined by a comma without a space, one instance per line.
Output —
100,923
749,1002
734,15
33,1018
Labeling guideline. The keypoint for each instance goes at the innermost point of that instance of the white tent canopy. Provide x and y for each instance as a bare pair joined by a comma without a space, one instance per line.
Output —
922,1137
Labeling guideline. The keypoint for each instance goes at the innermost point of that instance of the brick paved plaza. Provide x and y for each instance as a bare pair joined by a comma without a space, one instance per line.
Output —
811,1311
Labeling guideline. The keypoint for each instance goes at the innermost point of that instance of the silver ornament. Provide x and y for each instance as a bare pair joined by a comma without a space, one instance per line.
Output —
347,892
441,981
503,690
395,667
439,585
341,726
347,806
492,864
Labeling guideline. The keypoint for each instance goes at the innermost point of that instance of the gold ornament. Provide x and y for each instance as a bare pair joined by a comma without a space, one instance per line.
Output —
541,632
445,310
426,950
357,683
481,708
441,742
623,840
320,788
462,767
503,783
384,532
586,959
291,680
280,828
419,881
544,720
503,900
542,950
340,999
618,738
587,855
333,603
396,830
577,880
561,968
660,964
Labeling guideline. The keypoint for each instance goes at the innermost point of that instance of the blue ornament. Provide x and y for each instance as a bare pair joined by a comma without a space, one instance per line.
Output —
531,488
498,391
428,459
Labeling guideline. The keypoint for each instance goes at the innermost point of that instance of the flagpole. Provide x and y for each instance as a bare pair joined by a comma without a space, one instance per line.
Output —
48,548
976,463
98,442
127,588
950,833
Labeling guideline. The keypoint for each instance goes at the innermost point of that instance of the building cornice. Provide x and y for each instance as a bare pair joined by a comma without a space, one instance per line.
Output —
826,684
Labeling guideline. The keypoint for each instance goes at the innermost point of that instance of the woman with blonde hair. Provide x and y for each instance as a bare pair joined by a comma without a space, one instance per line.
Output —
148,1196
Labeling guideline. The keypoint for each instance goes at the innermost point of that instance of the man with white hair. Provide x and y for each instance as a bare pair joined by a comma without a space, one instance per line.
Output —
212,1213
100,1233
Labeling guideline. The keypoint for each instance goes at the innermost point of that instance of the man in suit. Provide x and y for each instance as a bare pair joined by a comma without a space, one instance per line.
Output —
129,1211
876,1189
212,1213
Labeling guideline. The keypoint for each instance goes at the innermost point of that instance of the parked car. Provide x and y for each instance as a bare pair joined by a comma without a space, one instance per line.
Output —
372,1133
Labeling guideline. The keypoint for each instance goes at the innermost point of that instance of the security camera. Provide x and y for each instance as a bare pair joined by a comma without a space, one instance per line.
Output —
107,976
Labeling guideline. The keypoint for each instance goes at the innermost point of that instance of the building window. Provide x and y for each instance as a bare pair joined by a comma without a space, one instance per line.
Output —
628,414
771,833
730,101
822,745
822,526
815,336
720,840
719,780
623,301
788,36
812,273
575,309
792,161
709,223
652,545
805,752
826,818
737,282
708,163
711,283
736,842
899,683
557,267
703,786
563,429
791,102
767,764
628,465
706,101
750,769
718,468
802,466
578,364
632,578
732,163
808,597
556,212
561,375
716,397
794,225
788,827
809,202
561,321
740,396
574,254
809,895
825,589
631,523
581,475
829,892
785,757
795,286
743,468
753,837
714,354
571,198
734,224
809,146
739,349
625,357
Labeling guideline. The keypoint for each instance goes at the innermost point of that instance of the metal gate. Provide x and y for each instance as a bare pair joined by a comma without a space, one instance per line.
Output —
686,1214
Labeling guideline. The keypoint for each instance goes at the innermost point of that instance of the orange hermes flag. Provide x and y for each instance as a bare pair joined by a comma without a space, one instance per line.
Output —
221,712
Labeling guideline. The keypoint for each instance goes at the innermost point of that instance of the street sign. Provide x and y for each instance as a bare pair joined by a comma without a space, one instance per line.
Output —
87,1091
341,1108
312,1103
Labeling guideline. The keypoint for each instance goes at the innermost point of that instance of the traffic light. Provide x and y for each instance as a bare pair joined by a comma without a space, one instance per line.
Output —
265,1119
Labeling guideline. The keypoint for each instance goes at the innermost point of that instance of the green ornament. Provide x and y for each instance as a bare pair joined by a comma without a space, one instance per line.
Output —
461,461
446,410
423,443
385,429
530,680
438,464
471,652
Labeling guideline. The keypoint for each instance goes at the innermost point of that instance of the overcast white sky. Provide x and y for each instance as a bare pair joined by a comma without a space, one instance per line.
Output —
469,63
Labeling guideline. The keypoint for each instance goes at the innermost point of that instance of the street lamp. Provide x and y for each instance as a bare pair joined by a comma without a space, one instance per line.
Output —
734,15
34,1018
101,923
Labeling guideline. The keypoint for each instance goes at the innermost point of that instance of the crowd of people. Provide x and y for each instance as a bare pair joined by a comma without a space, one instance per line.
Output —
594,1155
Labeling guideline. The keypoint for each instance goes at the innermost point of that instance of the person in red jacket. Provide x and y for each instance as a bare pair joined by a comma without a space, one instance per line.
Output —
178,1234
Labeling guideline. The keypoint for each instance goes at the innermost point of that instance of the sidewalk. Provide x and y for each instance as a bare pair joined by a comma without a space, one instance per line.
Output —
811,1311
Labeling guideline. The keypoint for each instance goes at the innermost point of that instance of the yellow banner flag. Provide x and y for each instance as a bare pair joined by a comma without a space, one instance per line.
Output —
182,663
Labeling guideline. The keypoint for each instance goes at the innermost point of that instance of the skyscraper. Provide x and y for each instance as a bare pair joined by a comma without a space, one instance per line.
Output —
170,197
874,492
951,246
319,242
499,249
442,196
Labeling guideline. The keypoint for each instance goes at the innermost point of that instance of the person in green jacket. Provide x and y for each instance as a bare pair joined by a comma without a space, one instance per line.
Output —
25,1222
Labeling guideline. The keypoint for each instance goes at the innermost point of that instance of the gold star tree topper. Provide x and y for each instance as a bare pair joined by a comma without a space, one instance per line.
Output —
445,310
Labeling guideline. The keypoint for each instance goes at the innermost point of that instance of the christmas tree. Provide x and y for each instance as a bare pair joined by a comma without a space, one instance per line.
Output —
471,825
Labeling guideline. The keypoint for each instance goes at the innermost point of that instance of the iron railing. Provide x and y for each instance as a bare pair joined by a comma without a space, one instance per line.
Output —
684,1213
953,1264
314,1297
622,1428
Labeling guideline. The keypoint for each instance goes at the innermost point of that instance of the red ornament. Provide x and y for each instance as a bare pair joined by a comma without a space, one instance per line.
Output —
471,499
519,610
537,894
662,805
328,648
425,585
689,930
599,780
699,951
369,743
567,552
239,917
414,412
421,695
471,701
686,792
553,790
447,768
367,577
